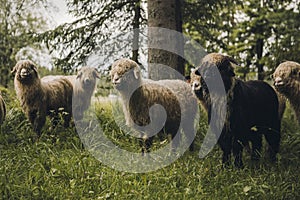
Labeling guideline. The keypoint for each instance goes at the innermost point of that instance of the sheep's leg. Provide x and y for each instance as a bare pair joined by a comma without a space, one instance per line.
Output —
237,150
38,123
67,119
273,139
189,132
146,144
226,158
54,118
226,146
256,140
175,140
37,120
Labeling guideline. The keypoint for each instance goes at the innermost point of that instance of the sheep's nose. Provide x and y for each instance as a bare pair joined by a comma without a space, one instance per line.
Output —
24,72
195,86
87,81
116,80
278,81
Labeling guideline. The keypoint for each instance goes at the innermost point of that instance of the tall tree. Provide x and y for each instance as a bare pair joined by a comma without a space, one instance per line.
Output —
98,29
164,14
19,21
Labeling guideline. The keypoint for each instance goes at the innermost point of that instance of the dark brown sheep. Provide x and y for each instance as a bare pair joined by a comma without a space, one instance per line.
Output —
252,109
41,97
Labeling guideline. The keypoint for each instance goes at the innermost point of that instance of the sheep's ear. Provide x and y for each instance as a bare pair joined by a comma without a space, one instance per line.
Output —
96,74
231,71
296,72
78,75
34,69
136,72
232,60
197,72
13,70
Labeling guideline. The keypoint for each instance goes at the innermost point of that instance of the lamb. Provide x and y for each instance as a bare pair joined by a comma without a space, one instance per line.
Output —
140,98
287,82
252,109
84,84
41,97
2,110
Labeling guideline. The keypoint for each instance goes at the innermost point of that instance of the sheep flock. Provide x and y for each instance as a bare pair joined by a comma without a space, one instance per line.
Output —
169,107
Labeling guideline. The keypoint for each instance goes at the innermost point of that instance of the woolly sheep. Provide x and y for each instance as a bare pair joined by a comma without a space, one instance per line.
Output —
252,109
84,84
287,82
41,97
194,80
2,110
139,94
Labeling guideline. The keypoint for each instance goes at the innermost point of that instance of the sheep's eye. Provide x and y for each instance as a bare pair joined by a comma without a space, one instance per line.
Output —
294,72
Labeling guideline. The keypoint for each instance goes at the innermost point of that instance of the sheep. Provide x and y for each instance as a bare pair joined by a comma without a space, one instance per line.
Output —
2,110
252,109
286,79
194,80
41,97
84,84
139,97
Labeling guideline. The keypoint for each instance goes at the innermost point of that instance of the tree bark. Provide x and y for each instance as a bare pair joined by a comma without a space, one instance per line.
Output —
259,53
164,14
136,31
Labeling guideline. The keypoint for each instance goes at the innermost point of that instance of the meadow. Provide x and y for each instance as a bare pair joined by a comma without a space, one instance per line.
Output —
57,166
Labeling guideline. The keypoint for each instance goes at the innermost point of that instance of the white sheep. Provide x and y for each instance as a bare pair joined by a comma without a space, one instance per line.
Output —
84,84
140,98
41,97
2,110
287,82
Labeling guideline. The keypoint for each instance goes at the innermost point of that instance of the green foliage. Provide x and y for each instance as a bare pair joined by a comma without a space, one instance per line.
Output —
104,86
259,34
95,30
58,167
19,21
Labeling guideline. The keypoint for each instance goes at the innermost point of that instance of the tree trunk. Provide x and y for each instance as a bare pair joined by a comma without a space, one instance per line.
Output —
136,31
259,53
164,14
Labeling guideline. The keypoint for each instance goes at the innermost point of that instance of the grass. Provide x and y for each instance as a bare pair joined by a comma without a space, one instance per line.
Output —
57,166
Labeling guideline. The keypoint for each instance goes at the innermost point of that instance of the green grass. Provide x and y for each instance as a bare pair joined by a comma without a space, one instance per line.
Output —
58,167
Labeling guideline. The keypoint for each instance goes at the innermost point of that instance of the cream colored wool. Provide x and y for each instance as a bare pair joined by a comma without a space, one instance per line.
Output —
287,82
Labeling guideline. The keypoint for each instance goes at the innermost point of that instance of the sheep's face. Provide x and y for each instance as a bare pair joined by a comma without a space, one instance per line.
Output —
87,77
285,74
196,83
211,66
25,71
124,74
